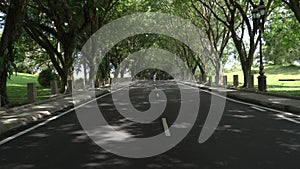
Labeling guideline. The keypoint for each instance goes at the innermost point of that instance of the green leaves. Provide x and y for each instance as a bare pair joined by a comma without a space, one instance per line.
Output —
282,37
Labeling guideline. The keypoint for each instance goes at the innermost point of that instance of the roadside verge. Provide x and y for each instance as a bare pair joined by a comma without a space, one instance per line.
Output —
288,104
14,118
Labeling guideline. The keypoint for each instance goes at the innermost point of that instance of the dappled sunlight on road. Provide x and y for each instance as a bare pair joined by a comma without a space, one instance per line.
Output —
107,134
182,125
246,135
39,135
8,121
243,116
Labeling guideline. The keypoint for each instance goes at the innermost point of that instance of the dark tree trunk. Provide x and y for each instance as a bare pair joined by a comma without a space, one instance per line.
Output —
203,74
64,82
11,33
295,7
67,70
202,70
3,88
247,74
246,61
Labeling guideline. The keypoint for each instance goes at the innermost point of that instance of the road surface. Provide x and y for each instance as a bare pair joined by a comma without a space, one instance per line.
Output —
248,137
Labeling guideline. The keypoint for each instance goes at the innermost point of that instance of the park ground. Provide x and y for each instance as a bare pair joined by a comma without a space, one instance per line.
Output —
274,73
17,84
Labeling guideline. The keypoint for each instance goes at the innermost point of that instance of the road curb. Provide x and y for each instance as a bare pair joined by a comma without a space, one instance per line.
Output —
231,95
12,109
23,121
281,107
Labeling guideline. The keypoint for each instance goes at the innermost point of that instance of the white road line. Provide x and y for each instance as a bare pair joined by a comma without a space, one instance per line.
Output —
259,109
293,115
287,118
52,119
166,128
249,104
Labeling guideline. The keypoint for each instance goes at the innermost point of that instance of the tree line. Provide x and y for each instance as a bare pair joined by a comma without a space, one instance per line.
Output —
43,33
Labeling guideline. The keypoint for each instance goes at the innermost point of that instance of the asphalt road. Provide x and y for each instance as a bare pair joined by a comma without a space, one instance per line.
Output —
246,137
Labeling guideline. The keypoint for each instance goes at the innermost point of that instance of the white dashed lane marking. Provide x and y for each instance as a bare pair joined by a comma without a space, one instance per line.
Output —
259,109
166,128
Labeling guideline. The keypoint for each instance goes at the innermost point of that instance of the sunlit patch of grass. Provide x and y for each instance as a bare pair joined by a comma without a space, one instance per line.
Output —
274,73
17,88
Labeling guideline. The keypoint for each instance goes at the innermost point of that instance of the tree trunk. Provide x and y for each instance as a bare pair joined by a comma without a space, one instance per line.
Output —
295,7
64,82
203,74
11,33
243,58
122,72
3,89
66,73
85,79
116,73
219,72
247,74
91,73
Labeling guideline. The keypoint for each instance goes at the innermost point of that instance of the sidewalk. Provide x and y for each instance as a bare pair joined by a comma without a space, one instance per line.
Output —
14,118
282,103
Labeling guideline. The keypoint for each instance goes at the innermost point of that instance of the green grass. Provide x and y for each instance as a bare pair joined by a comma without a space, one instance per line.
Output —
17,88
274,73
17,84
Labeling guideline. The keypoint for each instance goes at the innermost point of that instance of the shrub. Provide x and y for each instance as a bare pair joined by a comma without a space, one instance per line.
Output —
46,76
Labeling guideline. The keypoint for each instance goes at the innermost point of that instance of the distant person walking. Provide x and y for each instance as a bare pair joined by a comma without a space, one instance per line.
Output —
154,77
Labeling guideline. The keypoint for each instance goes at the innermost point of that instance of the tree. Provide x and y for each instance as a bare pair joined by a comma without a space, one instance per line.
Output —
116,55
58,26
185,10
295,7
282,37
56,31
186,54
98,14
15,11
30,57
235,16
218,35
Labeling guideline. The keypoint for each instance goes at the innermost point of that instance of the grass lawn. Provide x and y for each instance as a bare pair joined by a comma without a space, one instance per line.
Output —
274,73
17,88
17,84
